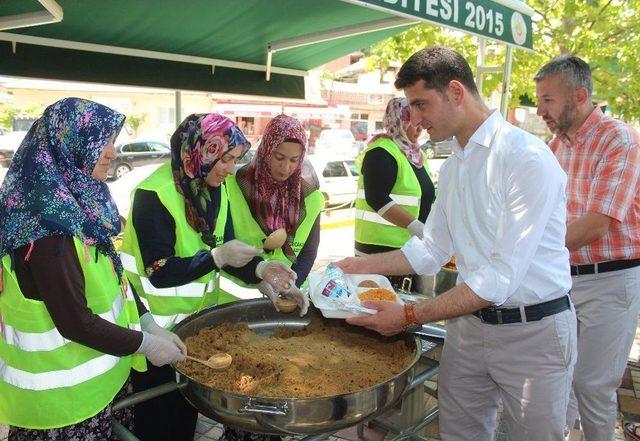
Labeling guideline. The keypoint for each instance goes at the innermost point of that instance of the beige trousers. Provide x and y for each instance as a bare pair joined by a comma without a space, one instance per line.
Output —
607,306
526,365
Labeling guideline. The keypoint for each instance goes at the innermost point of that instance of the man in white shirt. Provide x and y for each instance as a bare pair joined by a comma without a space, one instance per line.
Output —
511,329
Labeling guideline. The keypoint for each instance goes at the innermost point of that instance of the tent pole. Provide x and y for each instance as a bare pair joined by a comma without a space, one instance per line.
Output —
480,65
178,104
506,81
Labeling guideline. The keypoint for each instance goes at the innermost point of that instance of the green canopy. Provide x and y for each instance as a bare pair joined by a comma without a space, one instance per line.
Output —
258,47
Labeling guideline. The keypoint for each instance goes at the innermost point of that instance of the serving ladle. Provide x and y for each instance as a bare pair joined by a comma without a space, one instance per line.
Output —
217,362
275,240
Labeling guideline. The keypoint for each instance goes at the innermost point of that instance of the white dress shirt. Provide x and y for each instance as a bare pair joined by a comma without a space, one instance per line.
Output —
501,211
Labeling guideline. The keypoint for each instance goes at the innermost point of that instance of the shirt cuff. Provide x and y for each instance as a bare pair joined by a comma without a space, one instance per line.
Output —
419,257
488,284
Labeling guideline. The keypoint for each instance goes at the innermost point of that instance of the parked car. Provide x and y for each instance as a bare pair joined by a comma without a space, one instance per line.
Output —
438,149
338,178
137,153
336,142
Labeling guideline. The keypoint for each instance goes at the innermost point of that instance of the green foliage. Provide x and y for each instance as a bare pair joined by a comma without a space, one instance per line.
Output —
135,120
10,111
605,33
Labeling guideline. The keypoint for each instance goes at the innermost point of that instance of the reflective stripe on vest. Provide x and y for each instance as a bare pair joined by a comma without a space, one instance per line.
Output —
411,201
55,379
50,340
166,321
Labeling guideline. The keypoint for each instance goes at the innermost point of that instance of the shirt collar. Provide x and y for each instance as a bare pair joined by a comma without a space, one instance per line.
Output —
483,134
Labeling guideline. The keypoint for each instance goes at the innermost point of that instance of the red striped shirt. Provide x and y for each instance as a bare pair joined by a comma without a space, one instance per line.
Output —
603,166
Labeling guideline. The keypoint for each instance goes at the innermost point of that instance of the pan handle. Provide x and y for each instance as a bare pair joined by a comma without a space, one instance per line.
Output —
255,407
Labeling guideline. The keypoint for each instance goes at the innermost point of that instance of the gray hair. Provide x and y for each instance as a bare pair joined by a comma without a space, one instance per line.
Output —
572,69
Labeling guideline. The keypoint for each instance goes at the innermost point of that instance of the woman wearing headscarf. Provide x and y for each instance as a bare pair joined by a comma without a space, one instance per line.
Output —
395,191
67,319
178,235
278,190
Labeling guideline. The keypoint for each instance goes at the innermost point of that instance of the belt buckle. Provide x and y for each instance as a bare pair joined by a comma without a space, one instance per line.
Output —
491,308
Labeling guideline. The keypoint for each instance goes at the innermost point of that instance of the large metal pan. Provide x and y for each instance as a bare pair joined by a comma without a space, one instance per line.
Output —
285,415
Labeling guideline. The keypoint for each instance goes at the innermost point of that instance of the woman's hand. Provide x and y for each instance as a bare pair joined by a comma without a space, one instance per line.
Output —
276,274
298,296
148,324
234,253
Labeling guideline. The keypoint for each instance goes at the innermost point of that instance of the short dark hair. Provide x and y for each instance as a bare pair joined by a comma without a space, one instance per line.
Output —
572,69
437,66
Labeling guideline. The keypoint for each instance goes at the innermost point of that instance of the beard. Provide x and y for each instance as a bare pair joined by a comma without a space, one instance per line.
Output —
565,119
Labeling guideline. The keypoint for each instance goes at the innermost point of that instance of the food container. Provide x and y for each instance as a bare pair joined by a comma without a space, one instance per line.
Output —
352,306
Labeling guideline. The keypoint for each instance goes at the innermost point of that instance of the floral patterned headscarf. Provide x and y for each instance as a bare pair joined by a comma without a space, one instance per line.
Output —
397,118
49,190
275,204
196,146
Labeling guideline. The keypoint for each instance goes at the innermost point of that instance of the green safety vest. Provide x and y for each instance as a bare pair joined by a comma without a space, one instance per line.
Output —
370,227
247,229
169,306
47,381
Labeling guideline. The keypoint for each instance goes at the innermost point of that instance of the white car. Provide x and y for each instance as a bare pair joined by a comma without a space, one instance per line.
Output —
332,142
122,188
338,177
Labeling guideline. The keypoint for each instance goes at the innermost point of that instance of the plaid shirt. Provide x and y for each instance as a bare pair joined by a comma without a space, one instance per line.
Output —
603,166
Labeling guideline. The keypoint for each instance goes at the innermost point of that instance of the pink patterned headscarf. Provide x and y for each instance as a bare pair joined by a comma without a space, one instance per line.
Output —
277,204
396,121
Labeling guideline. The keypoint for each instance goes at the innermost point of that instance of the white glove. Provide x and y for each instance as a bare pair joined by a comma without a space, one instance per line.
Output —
159,350
276,274
234,253
266,290
296,295
416,228
148,324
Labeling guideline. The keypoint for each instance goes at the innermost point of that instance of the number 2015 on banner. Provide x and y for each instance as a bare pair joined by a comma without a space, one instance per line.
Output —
484,20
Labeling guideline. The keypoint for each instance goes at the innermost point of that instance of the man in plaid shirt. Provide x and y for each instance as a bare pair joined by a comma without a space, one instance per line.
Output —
601,157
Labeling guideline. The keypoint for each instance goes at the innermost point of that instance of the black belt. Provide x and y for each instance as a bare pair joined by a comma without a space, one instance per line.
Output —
603,267
533,313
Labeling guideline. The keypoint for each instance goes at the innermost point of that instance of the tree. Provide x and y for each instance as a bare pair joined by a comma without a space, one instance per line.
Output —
9,111
605,33
135,120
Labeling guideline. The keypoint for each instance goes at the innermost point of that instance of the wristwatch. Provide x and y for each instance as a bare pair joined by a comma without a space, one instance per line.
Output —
410,316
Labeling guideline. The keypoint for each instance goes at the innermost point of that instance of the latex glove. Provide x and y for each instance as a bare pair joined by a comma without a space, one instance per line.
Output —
148,324
234,253
266,290
295,294
159,350
416,228
276,274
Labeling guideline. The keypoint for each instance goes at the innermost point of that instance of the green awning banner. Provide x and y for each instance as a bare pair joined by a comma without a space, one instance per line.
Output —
485,18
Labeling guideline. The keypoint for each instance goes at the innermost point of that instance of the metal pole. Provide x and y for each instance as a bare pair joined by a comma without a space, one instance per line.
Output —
145,395
506,81
481,60
123,433
178,105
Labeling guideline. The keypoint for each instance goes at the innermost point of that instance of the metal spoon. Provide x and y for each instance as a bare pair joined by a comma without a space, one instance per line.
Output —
218,362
